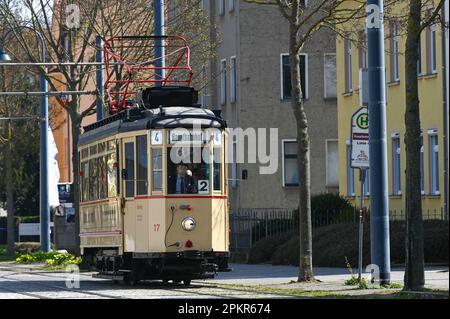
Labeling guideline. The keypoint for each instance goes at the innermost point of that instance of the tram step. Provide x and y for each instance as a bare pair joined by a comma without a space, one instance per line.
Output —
110,277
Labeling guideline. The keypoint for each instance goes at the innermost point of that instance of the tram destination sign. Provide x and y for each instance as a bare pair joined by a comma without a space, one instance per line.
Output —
360,139
183,136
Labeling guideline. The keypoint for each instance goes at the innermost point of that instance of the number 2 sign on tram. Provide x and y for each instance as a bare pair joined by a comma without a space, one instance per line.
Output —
360,139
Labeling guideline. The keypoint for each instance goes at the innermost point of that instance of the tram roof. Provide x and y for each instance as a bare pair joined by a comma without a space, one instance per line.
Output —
157,118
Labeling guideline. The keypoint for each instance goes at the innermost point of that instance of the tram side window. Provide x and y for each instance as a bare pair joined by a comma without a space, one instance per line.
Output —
93,179
217,167
186,175
85,181
142,165
102,178
112,174
129,167
157,169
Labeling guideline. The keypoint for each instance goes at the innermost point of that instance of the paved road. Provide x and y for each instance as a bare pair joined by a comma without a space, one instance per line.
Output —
18,283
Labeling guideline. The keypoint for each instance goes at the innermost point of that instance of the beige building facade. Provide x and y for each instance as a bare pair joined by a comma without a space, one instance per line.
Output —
249,82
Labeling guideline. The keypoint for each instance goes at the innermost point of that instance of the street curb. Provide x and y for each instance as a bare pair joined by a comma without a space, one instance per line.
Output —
427,293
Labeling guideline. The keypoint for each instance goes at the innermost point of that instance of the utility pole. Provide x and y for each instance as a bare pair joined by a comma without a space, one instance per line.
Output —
158,6
100,78
379,204
43,119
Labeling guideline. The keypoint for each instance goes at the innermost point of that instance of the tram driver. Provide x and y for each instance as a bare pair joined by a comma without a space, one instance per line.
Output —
182,182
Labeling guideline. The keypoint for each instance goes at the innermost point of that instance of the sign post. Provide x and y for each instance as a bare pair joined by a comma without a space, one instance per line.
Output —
360,159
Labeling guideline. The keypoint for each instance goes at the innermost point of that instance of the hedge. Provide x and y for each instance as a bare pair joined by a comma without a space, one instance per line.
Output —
332,244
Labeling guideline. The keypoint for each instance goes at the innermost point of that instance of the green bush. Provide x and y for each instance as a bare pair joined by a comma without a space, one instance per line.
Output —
264,248
51,259
325,209
331,244
331,208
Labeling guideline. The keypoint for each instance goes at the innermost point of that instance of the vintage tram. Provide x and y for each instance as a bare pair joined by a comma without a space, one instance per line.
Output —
153,189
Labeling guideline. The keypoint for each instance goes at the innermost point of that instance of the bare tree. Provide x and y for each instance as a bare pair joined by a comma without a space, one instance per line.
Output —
417,20
12,109
69,36
304,22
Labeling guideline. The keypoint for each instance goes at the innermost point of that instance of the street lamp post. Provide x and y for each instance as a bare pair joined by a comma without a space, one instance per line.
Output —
44,202
379,200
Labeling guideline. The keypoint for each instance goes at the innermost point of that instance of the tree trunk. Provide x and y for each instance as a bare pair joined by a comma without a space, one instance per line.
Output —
305,267
11,236
76,125
414,263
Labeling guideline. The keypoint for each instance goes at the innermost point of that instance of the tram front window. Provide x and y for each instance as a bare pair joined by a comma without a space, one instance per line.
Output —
185,176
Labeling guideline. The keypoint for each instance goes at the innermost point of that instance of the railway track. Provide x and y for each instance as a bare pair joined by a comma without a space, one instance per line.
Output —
51,285
52,289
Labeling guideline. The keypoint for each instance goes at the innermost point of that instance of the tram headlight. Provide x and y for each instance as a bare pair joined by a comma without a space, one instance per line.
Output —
188,224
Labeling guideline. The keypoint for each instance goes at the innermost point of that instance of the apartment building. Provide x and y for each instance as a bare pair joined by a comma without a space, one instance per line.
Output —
250,83
351,56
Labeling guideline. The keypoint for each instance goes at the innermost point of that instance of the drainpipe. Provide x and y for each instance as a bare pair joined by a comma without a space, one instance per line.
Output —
445,109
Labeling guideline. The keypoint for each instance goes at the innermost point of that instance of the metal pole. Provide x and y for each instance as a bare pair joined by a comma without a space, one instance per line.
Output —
379,205
60,64
362,178
51,93
99,58
444,108
43,115
159,45
45,208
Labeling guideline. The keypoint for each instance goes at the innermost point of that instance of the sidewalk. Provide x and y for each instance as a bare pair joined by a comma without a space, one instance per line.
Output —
331,280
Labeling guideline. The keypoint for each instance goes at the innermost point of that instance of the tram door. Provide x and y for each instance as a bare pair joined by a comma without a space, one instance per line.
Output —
128,186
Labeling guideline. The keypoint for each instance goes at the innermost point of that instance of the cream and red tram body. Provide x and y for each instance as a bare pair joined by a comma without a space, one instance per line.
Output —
153,189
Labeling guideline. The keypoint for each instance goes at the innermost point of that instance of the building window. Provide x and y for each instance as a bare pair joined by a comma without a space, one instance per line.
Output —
394,52
223,82
290,164
234,166
419,57
362,50
221,7
348,63
233,80
204,89
431,49
286,85
231,5
422,171
434,162
330,91
396,169
350,172
332,164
